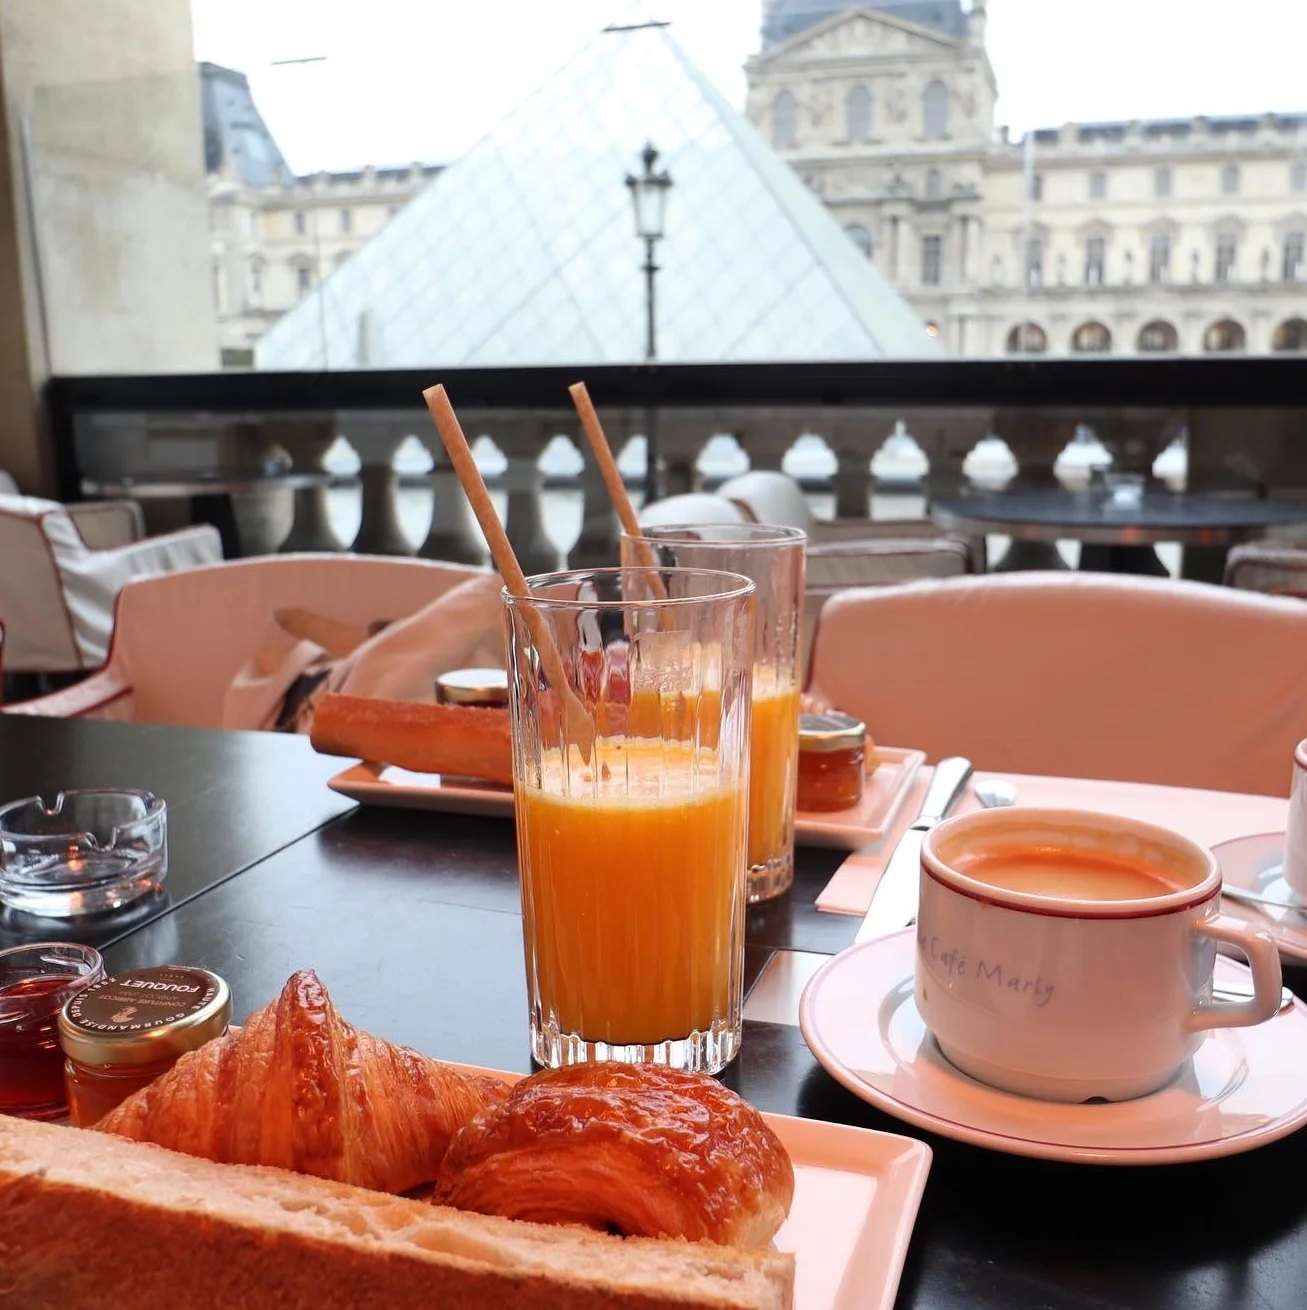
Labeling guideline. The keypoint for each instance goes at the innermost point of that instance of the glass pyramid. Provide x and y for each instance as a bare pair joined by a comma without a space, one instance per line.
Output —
524,250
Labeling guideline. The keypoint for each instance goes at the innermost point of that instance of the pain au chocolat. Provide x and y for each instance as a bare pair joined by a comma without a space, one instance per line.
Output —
639,1150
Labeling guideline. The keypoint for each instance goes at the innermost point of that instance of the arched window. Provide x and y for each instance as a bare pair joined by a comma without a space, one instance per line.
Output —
860,237
934,110
1091,339
934,184
1027,339
1158,338
857,114
1290,335
1225,336
784,119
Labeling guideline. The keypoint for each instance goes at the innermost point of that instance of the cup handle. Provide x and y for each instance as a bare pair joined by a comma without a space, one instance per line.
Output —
1259,947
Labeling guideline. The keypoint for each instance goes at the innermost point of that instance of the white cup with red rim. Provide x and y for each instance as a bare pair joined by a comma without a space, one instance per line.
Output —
1295,833
1047,968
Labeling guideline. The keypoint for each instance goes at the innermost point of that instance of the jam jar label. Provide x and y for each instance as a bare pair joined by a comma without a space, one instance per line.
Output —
143,999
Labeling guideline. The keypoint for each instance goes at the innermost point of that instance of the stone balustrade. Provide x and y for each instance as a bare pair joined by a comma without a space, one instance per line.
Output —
953,412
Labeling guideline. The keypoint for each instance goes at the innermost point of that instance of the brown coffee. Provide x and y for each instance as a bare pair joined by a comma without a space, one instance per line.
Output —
1064,874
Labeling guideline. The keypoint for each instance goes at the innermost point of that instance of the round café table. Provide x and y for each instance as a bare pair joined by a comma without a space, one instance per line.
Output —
1116,536
209,494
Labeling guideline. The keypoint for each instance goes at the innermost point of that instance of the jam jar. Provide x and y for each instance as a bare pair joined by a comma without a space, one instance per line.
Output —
120,1034
485,689
35,983
832,761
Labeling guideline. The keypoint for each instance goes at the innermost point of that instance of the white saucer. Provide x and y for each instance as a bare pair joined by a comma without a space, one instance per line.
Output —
1257,863
1244,1088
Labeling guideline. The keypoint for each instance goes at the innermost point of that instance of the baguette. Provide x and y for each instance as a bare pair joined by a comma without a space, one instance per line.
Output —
93,1222
458,739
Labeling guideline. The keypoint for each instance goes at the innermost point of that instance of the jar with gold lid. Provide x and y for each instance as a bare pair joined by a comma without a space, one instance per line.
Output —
485,689
832,761
120,1034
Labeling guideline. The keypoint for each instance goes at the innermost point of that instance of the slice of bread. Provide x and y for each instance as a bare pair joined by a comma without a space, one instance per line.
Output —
89,1221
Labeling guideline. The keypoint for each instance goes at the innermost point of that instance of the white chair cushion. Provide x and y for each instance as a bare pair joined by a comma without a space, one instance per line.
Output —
697,507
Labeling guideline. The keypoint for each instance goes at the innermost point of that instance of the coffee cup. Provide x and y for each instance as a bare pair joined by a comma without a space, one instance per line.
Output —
1295,831
1068,955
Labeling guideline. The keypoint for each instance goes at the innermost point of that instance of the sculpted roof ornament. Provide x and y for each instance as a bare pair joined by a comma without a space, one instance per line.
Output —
782,19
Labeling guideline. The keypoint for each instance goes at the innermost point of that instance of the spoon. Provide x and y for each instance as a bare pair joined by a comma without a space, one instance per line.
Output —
1235,991
1256,898
995,793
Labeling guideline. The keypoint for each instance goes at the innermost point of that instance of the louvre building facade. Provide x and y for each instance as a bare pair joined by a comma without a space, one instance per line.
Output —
1156,236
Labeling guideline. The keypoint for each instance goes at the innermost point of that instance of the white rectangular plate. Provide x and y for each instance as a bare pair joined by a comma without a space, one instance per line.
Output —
373,784
856,1195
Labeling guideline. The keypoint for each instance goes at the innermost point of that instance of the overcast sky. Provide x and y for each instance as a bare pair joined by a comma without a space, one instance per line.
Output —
423,79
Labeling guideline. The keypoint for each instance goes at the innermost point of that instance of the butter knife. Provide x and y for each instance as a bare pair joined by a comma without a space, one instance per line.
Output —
894,902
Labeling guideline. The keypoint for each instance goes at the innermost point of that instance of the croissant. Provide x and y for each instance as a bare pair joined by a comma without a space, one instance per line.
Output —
638,1149
299,1088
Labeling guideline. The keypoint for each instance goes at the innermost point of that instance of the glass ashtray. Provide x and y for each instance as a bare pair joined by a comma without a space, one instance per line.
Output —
92,850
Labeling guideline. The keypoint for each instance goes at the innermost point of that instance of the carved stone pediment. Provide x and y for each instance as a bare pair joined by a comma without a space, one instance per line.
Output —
859,32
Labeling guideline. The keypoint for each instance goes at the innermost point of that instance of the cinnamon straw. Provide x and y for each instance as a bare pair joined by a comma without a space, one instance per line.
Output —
612,476
579,723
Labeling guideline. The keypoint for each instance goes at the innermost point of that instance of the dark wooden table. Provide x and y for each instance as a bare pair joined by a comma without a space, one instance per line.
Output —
1117,537
233,799
412,921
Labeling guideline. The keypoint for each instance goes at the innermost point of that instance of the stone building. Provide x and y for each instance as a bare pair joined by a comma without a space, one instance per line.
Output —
1160,236
274,236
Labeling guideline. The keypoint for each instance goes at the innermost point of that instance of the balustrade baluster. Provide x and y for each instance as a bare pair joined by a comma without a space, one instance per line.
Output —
521,441
454,535
377,439
307,443
597,546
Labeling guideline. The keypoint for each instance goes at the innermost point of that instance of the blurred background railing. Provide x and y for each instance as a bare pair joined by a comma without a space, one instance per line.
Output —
349,460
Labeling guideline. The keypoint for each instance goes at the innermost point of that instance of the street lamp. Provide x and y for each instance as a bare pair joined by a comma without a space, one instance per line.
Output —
649,196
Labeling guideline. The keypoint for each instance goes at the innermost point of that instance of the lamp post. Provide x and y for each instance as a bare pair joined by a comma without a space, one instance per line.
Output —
649,197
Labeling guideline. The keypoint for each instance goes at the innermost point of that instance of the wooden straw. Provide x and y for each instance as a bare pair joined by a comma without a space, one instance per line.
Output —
612,476
580,726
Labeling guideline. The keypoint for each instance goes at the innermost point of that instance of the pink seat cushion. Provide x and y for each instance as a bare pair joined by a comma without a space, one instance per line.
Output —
1082,675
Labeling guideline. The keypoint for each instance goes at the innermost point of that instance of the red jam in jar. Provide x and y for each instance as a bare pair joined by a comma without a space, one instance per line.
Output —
35,982
832,761
121,1034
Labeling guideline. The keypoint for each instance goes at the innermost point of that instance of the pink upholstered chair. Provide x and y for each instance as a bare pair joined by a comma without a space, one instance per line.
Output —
63,566
179,640
1093,676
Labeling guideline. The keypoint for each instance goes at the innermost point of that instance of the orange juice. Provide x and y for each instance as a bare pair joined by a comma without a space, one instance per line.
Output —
773,766
633,895
773,751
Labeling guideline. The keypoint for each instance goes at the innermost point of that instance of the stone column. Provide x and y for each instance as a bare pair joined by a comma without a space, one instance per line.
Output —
682,434
766,434
854,437
454,534
376,439
598,543
307,442
522,440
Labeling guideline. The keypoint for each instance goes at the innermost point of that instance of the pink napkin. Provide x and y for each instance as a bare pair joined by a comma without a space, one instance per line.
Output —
1207,817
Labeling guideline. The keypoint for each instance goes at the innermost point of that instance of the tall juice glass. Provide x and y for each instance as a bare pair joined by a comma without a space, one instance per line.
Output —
631,795
773,557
